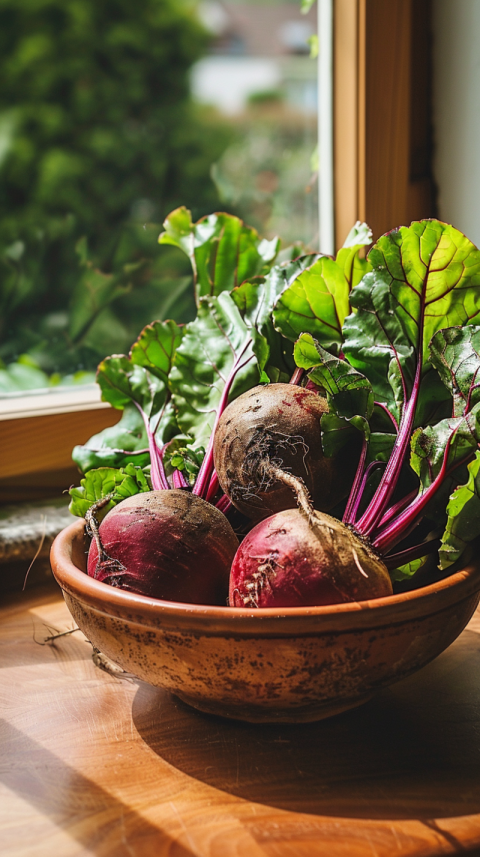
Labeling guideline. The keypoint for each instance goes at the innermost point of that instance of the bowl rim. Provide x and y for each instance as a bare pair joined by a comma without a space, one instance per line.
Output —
140,609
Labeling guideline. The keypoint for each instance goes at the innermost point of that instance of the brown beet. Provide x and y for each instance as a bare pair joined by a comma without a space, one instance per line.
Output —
171,544
288,561
279,423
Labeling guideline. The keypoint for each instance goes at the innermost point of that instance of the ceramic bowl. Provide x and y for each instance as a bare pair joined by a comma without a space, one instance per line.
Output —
293,665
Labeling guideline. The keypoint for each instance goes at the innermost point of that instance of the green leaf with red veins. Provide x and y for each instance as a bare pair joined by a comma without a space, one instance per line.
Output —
216,358
463,511
222,249
425,277
455,354
156,347
256,299
137,384
125,442
318,300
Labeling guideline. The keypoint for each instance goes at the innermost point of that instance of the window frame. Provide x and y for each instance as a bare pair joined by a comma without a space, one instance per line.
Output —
382,114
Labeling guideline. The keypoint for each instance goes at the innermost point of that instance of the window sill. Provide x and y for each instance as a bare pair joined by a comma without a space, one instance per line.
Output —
37,435
14,406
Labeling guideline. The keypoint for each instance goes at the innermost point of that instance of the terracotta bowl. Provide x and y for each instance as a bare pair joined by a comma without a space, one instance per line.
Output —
300,664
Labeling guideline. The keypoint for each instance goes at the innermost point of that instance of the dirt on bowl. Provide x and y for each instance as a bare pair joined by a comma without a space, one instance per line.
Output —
265,665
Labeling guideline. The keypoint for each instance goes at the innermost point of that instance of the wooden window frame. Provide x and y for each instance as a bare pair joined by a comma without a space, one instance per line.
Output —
382,175
382,114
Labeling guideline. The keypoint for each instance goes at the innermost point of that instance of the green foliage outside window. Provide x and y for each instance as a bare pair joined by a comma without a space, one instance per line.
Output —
98,142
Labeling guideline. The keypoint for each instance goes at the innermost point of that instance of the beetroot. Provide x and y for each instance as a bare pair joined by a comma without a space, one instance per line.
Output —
166,544
289,560
276,428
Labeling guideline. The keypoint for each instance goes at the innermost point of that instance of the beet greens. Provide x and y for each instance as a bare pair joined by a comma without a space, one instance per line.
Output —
393,340
403,366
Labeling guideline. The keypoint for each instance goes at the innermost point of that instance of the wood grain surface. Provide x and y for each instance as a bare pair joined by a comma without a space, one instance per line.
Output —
98,764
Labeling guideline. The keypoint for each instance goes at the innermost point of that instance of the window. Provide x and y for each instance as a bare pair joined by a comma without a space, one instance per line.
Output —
382,174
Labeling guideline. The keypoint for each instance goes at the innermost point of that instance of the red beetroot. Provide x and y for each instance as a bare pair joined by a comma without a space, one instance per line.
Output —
289,561
166,544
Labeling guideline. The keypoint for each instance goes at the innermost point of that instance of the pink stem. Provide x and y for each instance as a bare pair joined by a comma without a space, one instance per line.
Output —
205,473
224,504
397,508
388,413
297,376
395,532
179,480
374,465
157,471
382,496
380,500
401,526
394,560
347,517
213,487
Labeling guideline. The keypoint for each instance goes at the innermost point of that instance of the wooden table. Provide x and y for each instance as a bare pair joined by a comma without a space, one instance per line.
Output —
93,764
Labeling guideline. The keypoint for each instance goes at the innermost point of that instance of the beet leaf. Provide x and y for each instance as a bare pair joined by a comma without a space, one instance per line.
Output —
463,511
123,381
156,346
223,251
97,484
255,300
349,393
424,277
216,352
215,363
118,445
455,354
411,369
318,300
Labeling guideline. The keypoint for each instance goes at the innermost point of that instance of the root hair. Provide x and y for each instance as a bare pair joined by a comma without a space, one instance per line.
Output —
104,561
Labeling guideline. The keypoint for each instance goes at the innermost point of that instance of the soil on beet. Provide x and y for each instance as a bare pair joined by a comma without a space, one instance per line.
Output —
279,423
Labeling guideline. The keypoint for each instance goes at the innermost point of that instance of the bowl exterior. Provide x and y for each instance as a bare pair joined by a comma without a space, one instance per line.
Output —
301,665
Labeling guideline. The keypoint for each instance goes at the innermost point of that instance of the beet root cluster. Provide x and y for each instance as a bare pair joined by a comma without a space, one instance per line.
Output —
267,450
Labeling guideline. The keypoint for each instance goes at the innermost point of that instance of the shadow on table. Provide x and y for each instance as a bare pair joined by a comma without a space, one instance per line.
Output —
412,752
87,813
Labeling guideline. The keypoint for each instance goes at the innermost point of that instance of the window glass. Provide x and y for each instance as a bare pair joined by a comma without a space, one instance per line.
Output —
260,75
111,116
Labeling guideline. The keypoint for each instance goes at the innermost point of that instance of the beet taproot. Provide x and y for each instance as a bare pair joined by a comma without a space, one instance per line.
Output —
166,544
278,426
288,560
